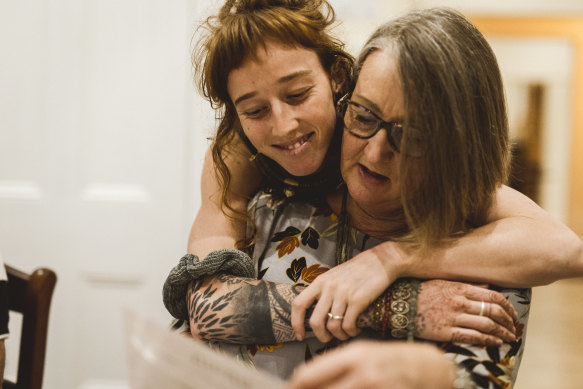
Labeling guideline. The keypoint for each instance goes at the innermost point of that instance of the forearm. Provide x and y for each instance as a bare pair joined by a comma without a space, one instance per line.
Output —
504,253
247,311
241,310
521,246
212,228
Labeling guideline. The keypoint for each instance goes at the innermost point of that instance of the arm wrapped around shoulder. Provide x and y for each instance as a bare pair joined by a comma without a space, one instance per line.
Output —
189,268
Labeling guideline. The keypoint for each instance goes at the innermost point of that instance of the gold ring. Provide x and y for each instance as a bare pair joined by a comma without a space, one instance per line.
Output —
482,308
335,317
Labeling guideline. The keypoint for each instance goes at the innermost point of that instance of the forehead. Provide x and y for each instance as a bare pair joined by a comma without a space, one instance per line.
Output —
379,87
271,64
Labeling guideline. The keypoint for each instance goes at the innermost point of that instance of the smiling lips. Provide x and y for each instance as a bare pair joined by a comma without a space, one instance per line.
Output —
295,143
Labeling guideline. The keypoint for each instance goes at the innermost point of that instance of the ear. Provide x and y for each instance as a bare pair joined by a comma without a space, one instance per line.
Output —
339,76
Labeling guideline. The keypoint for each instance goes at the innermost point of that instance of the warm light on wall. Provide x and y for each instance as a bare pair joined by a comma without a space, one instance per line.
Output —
571,29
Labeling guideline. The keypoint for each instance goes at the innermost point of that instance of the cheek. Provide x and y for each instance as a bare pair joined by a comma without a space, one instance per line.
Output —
254,133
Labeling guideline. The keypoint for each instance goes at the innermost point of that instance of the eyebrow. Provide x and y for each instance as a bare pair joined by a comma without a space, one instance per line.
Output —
282,80
371,105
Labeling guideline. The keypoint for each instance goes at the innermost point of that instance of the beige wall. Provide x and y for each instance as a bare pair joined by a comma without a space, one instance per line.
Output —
571,29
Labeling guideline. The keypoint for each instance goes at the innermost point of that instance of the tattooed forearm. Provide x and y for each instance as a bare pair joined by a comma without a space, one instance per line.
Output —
243,311
249,311
281,296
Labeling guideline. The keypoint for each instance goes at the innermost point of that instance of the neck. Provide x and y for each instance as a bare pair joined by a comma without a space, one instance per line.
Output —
384,225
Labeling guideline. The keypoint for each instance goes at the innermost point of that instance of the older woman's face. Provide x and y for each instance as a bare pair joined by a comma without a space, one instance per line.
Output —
370,167
285,104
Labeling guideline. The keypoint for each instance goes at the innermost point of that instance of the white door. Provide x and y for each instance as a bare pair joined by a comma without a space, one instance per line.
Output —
101,139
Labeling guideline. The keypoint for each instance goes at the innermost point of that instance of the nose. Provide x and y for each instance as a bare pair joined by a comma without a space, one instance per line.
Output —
283,118
378,147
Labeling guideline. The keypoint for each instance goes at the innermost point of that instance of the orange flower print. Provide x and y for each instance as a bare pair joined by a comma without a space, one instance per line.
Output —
310,273
287,245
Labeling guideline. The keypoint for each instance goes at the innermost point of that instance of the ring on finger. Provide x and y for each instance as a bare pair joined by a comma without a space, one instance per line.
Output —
335,317
482,307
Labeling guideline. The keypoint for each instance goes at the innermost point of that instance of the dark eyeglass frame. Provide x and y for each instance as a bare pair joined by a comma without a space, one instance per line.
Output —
341,107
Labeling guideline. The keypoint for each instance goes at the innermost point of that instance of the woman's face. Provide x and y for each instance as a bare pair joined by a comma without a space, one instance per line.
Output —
285,105
370,167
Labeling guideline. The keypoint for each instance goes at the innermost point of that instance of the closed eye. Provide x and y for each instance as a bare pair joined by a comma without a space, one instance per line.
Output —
300,96
365,119
255,113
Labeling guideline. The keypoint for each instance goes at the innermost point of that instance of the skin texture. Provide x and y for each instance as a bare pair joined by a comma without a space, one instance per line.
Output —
248,311
288,112
366,364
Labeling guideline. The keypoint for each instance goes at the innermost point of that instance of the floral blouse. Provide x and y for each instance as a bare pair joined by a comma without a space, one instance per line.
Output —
295,242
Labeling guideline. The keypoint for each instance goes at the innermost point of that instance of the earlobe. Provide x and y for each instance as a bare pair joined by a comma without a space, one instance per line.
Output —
336,86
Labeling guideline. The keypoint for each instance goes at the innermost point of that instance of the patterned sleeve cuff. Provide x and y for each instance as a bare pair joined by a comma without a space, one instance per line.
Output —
189,268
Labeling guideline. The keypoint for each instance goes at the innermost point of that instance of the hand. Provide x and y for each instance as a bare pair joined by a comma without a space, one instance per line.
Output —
449,311
345,290
374,364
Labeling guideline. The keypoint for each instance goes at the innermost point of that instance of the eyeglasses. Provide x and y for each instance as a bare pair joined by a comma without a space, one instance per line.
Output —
364,124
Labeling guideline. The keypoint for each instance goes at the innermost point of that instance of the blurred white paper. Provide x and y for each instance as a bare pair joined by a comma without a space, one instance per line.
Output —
161,358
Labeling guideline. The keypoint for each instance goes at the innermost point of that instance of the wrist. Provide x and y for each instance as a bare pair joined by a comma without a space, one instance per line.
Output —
394,259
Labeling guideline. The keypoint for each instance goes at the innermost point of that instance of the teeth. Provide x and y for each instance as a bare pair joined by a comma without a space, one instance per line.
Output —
295,145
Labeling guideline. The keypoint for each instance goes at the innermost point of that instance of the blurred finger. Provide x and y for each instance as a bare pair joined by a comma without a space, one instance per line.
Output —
320,371
474,337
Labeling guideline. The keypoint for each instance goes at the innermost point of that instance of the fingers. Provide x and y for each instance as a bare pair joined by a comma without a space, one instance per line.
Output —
319,318
351,315
300,304
493,306
486,327
334,324
497,314
471,336
491,296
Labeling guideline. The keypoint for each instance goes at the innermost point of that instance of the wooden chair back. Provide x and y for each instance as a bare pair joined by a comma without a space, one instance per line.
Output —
31,294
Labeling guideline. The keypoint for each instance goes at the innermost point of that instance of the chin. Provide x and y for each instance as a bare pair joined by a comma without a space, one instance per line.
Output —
301,170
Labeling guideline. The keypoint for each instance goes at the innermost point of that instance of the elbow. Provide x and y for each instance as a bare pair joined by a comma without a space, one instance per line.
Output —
194,331
578,257
569,259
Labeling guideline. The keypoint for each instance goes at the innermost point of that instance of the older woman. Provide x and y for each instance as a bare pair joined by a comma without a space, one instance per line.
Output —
420,166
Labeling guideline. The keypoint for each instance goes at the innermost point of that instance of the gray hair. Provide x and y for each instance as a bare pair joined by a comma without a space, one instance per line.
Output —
454,96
